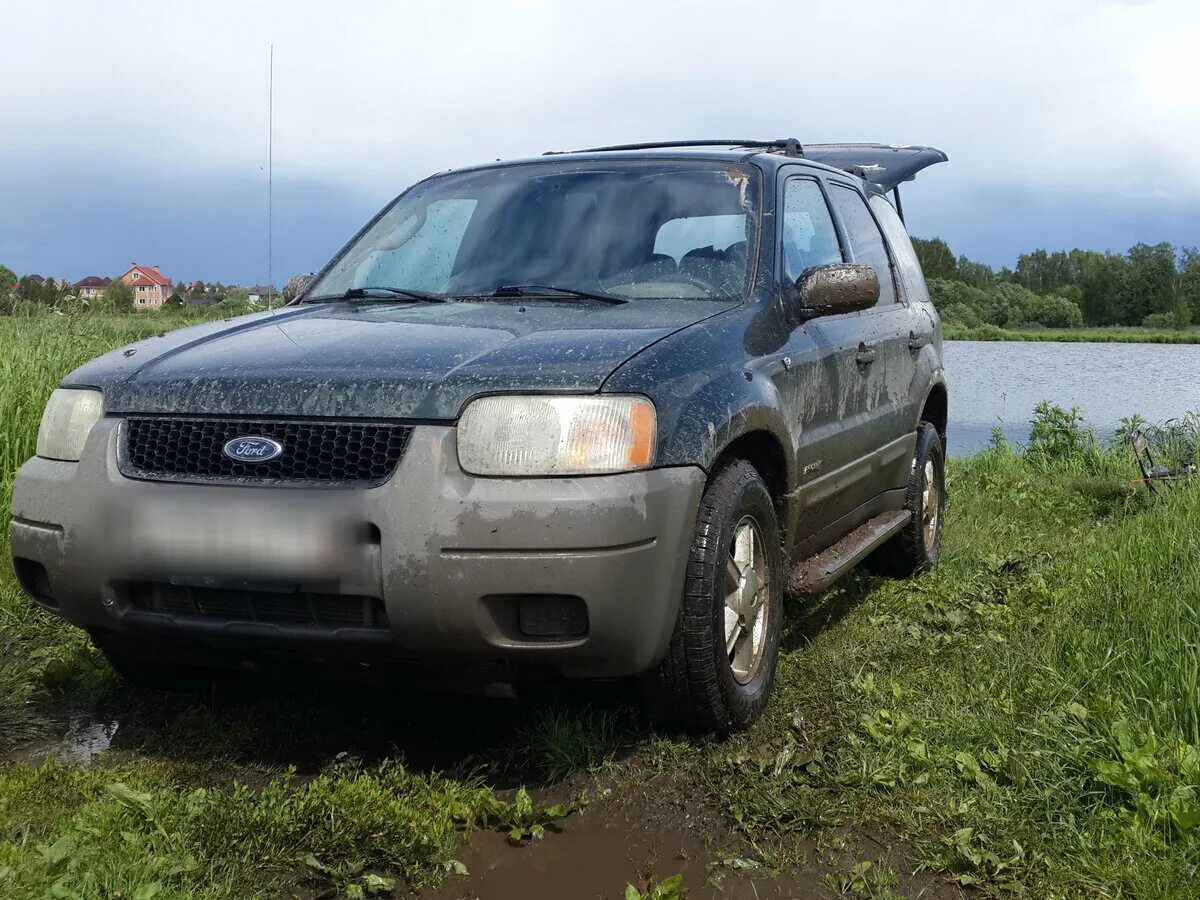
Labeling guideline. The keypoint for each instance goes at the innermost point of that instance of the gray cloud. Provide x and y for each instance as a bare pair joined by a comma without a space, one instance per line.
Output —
1087,101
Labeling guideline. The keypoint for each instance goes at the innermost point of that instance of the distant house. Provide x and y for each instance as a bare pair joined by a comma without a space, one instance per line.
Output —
92,287
150,288
38,278
259,292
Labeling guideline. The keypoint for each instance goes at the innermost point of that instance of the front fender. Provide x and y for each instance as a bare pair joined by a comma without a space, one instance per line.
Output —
719,412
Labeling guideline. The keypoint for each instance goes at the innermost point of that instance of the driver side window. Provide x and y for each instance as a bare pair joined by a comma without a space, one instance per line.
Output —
809,238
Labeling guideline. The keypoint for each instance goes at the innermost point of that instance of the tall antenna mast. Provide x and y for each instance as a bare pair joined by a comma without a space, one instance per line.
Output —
270,172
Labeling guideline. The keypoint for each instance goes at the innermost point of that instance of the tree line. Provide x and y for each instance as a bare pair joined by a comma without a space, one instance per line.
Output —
29,295
1152,285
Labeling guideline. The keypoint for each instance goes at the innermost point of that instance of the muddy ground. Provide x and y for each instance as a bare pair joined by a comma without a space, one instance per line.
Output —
627,828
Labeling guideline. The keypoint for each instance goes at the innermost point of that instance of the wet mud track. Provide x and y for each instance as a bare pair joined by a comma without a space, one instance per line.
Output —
629,832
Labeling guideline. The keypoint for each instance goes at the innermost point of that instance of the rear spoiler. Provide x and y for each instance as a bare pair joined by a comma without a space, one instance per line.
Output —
886,165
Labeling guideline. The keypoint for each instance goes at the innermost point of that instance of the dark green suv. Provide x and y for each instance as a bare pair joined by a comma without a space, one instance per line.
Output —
594,413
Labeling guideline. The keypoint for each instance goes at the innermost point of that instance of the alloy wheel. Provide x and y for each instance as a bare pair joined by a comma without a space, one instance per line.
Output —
747,595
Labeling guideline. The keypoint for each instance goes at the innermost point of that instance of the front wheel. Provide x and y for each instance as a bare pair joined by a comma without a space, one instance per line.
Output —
721,662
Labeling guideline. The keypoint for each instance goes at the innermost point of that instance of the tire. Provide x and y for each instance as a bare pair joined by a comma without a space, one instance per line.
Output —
918,546
151,673
700,685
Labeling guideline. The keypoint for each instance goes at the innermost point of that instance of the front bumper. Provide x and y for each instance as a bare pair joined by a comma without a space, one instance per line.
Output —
450,556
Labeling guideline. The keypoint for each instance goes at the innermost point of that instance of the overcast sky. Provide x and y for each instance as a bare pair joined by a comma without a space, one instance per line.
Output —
138,131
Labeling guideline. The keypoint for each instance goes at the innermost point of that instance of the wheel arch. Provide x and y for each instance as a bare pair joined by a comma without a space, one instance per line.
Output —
936,409
764,450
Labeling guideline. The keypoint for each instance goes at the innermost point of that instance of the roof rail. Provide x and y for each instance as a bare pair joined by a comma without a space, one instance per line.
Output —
789,146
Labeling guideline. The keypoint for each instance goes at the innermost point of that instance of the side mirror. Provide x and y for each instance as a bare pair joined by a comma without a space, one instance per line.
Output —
833,289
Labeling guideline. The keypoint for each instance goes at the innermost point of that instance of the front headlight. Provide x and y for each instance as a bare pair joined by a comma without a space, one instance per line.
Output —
67,422
532,435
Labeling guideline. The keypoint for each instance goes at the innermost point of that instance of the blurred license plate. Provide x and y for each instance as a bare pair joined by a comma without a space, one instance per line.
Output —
236,539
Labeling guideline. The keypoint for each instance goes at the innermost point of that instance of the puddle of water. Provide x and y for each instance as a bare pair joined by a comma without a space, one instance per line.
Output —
83,740
596,854
606,847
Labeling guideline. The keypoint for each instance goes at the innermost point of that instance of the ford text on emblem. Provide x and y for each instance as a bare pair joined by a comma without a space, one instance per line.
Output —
252,449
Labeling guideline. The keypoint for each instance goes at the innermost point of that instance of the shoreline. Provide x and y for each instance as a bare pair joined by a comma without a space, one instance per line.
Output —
1071,335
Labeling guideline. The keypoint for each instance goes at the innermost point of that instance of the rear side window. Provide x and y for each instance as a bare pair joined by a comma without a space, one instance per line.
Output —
809,238
866,241
907,265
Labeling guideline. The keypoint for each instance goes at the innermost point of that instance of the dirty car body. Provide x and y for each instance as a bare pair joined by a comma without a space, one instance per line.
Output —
485,432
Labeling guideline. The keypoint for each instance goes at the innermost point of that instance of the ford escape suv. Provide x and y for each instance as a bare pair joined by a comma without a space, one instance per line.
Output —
592,413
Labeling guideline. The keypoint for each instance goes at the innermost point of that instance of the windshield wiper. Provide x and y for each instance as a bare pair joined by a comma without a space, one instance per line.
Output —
547,290
362,293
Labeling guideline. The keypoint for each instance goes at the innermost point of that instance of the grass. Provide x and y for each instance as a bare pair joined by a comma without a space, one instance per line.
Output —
1025,718
1115,335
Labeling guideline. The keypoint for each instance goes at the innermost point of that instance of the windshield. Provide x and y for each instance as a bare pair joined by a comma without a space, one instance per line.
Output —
633,229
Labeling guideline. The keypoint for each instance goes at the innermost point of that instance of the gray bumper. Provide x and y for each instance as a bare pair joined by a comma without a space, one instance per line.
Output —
449,555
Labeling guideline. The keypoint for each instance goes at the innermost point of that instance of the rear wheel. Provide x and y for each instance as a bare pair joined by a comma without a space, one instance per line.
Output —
919,545
721,662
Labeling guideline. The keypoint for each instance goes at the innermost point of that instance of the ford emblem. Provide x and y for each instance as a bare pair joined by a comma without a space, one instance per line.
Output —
252,449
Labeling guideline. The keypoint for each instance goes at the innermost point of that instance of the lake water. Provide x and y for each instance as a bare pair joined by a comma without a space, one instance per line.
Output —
999,383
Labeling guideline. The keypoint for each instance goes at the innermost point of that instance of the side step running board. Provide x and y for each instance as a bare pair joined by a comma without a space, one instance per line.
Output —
818,572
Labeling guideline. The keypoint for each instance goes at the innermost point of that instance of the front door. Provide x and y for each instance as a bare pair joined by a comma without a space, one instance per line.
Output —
891,335
822,382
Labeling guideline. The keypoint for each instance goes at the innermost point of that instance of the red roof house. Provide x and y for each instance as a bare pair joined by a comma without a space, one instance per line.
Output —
150,288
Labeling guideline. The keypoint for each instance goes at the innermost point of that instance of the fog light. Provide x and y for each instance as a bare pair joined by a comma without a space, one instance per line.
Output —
552,616
36,581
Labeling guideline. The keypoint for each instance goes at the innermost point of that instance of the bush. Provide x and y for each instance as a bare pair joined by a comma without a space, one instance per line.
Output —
1159,320
1004,304
961,314
1057,433
1054,311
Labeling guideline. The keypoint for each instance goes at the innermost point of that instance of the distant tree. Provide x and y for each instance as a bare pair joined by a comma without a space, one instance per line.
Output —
935,257
1102,281
118,296
8,278
197,290
30,289
295,285
1188,285
1149,283
48,294
1032,269
973,273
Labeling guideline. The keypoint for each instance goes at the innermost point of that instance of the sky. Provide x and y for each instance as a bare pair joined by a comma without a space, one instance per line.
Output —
139,131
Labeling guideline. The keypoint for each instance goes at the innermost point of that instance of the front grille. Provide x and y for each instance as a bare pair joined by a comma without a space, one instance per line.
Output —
306,610
331,452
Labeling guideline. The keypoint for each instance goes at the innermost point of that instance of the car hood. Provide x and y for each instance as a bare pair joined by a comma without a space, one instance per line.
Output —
382,359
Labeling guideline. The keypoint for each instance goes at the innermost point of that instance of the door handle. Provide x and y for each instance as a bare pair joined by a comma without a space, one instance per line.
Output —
865,355
916,343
